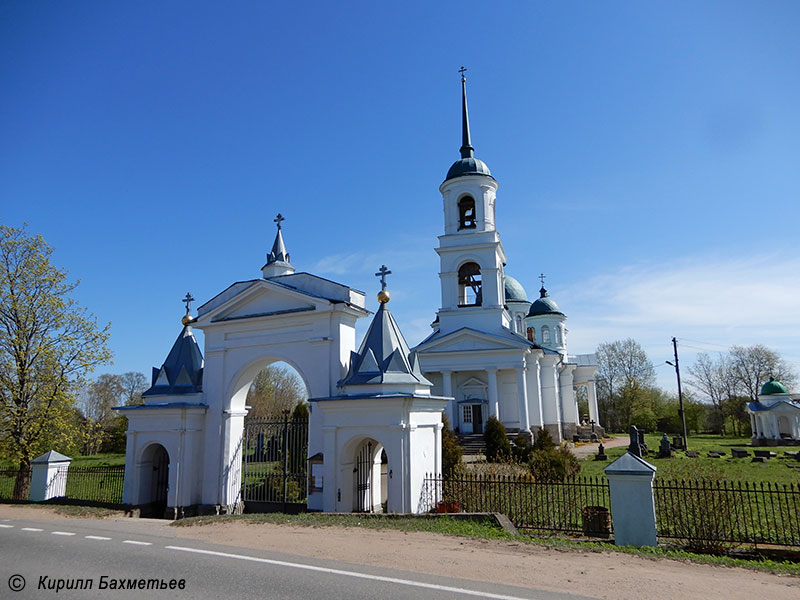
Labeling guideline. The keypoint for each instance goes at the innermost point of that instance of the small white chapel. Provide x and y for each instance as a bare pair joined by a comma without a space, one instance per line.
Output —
375,422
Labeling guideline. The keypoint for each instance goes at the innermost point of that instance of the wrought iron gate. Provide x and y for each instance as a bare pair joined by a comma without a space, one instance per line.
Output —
274,463
362,479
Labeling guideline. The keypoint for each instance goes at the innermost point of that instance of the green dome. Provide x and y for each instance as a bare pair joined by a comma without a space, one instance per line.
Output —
773,387
514,290
545,305
468,166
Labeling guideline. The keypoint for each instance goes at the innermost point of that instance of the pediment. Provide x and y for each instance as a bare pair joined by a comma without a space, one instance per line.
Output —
260,299
465,340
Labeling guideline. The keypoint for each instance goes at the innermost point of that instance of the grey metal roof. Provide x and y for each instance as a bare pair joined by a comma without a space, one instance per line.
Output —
182,372
384,356
545,305
514,290
278,254
50,457
467,164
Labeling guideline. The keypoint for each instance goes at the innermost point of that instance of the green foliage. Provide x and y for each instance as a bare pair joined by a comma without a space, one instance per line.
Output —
625,378
275,389
522,448
451,449
47,344
498,448
543,440
301,411
553,464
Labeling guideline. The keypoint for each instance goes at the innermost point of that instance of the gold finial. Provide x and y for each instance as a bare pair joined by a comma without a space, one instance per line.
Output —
187,318
383,295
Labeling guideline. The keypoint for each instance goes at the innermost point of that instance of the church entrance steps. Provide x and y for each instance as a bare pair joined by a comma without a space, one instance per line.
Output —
472,443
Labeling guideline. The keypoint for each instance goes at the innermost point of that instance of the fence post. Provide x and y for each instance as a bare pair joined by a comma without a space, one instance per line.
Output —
633,511
49,476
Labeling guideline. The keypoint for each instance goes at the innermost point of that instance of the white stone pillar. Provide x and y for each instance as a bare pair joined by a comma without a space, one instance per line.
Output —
591,394
534,392
48,476
494,403
633,511
569,404
230,468
753,427
522,395
447,391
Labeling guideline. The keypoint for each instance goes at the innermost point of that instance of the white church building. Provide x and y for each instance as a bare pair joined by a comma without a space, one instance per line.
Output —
376,413
775,416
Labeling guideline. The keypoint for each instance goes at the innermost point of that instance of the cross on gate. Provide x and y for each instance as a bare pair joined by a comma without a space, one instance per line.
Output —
278,220
382,273
188,301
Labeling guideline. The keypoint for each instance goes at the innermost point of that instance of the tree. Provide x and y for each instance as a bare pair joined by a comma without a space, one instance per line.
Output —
752,366
624,376
103,429
451,449
48,343
274,390
498,448
134,384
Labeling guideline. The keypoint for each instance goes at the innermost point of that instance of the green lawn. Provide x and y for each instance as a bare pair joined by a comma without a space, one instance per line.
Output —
95,460
775,470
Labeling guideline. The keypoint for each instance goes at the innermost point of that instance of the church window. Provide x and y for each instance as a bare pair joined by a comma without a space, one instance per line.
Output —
531,335
558,335
469,285
545,334
466,411
518,321
466,213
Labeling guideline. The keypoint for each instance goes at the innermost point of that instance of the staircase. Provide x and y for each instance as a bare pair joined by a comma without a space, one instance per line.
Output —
472,443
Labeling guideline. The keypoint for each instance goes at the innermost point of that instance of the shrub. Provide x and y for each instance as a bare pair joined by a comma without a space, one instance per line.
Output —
451,449
498,448
553,464
543,440
522,448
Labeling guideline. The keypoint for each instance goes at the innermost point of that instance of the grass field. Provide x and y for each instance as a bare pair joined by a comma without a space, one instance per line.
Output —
775,470
95,460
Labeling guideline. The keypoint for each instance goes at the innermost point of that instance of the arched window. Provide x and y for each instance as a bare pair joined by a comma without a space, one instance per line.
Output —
558,336
545,334
518,321
466,213
469,285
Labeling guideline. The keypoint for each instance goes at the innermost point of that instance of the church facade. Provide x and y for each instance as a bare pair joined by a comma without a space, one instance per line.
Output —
376,413
493,351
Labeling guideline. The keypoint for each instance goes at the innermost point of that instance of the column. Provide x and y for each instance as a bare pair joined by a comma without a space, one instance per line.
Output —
522,395
753,427
447,390
591,393
494,404
534,392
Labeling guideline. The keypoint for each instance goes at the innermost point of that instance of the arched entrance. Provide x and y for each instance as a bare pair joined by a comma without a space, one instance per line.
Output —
370,477
154,480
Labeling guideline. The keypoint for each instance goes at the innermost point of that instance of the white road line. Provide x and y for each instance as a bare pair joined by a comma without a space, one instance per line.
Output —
31,529
4,526
96,537
137,543
62,533
280,563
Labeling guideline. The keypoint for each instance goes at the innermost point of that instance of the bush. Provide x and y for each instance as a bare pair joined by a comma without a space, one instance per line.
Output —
451,449
498,448
543,440
522,448
553,464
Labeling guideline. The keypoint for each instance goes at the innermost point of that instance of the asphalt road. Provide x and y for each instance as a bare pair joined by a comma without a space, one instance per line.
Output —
102,559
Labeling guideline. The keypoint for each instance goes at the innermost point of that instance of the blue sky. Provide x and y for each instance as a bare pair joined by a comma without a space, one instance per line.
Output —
647,155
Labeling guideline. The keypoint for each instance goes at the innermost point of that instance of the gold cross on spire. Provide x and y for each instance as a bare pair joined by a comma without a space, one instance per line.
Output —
463,70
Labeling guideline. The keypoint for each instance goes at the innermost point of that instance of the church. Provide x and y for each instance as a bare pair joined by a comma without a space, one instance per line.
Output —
375,424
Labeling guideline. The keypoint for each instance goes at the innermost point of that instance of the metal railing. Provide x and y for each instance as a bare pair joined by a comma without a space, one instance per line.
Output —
96,484
707,514
547,507
8,479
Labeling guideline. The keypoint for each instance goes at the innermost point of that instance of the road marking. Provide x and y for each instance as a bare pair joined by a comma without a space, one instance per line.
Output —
31,529
137,543
96,537
4,526
408,582
62,533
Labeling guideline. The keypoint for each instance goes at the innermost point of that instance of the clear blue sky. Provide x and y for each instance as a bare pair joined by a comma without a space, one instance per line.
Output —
647,155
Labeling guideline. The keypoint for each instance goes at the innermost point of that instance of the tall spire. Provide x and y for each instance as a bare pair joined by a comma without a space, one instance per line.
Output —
467,151
278,258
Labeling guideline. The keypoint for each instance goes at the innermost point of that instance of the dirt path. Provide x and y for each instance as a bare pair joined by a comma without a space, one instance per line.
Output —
598,574
586,450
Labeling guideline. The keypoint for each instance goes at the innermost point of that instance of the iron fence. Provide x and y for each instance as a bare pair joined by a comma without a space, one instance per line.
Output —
705,514
577,505
8,479
95,484
274,461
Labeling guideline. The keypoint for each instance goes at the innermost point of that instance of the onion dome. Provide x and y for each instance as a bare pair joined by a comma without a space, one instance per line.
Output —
545,305
514,290
772,388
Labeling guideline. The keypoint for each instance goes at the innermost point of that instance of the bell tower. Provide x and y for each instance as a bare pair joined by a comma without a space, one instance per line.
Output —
470,253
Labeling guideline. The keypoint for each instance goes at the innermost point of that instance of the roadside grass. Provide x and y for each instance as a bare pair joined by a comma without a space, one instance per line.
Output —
680,466
482,530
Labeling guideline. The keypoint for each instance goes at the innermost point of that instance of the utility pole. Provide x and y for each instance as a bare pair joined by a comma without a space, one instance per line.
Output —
680,394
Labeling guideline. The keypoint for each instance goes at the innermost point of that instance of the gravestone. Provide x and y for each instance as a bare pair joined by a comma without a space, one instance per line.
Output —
664,449
739,453
601,453
634,447
692,453
677,442
642,443
759,459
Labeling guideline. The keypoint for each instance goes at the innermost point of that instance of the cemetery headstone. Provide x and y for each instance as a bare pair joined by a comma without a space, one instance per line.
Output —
601,453
664,448
634,447
739,453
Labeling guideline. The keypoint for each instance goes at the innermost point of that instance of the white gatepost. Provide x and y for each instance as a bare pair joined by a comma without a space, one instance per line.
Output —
633,511
49,476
